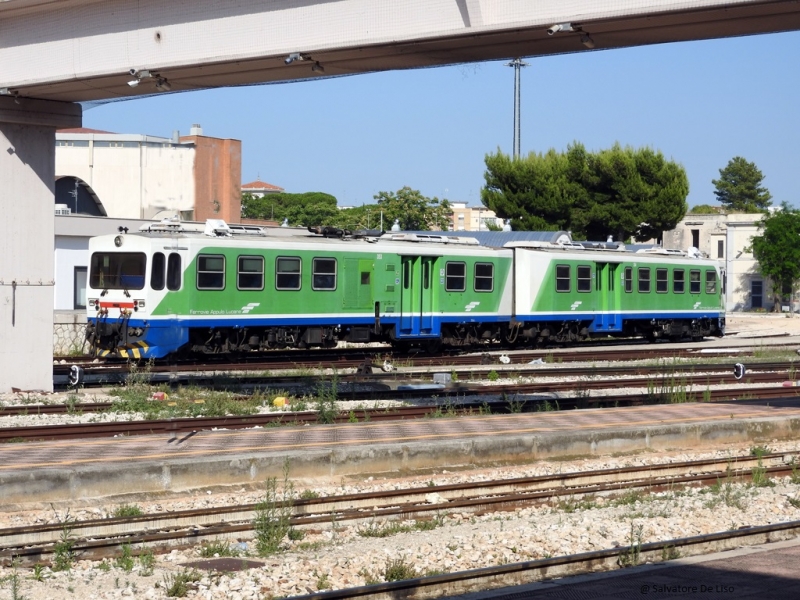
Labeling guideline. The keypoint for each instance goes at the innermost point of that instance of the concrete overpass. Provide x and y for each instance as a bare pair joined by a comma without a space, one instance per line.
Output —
54,53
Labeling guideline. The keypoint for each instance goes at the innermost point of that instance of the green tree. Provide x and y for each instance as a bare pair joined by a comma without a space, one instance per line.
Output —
622,192
703,209
367,216
777,249
308,209
414,211
534,191
739,187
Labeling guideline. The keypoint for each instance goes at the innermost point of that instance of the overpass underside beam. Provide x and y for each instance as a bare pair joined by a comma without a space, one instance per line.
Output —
27,182
86,50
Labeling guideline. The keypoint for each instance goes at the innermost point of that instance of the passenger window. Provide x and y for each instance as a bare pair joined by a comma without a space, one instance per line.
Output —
324,274
678,281
210,272
174,272
287,273
662,281
694,282
711,282
562,278
251,273
644,280
456,276
484,277
159,271
584,278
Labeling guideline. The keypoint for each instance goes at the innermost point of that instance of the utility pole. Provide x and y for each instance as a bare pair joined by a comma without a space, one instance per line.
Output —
517,63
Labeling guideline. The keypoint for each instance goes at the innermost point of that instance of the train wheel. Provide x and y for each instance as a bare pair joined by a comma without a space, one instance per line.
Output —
433,346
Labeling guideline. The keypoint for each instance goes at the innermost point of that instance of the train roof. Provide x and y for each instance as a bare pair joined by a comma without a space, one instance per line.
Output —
488,240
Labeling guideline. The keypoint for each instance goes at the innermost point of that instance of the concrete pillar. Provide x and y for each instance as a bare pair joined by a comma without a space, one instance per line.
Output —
27,182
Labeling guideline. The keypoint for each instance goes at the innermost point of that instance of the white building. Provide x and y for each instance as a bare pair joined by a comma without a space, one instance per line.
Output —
137,176
726,238
466,218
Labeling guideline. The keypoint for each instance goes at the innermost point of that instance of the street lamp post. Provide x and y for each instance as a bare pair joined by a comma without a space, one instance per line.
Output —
517,63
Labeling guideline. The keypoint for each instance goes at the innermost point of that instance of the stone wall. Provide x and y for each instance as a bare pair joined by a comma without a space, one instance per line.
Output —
68,332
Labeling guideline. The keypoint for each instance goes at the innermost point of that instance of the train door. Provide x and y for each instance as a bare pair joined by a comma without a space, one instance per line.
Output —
607,288
416,296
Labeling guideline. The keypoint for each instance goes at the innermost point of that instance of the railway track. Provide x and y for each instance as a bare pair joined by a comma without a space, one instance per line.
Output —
516,574
109,373
95,539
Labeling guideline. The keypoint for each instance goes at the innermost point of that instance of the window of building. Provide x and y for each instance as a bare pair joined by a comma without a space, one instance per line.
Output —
484,277
563,278
210,272
711,282
79,288
694,282
720,248
287,273
456,276
584,278
117,270
174,272
324,274
696,238
644,280
629,279
158,273
662,281
678,281
250,275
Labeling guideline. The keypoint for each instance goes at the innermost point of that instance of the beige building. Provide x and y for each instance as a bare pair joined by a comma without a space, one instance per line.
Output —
726,238
136,176
466,218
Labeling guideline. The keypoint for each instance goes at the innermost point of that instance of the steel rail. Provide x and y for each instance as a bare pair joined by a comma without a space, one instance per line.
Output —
346,358
98,536
522,573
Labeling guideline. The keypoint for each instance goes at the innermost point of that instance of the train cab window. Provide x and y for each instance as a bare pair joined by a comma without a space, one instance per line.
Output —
455,277
711,282
644,280
484,277
324,274
117,270
210,272
662,281
158,272
584,278
250,275
628,279
174,272
678,281
287,273
563,278
694,282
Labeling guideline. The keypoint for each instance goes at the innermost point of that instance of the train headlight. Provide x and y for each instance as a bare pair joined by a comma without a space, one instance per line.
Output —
118,241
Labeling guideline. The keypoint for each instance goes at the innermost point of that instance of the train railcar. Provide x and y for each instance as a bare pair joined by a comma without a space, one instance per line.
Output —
574,292
234,289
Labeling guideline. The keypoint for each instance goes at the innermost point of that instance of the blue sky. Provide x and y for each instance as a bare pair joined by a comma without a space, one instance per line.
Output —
700,103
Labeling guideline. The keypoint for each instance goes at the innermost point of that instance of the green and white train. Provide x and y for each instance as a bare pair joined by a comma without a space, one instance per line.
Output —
232,289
